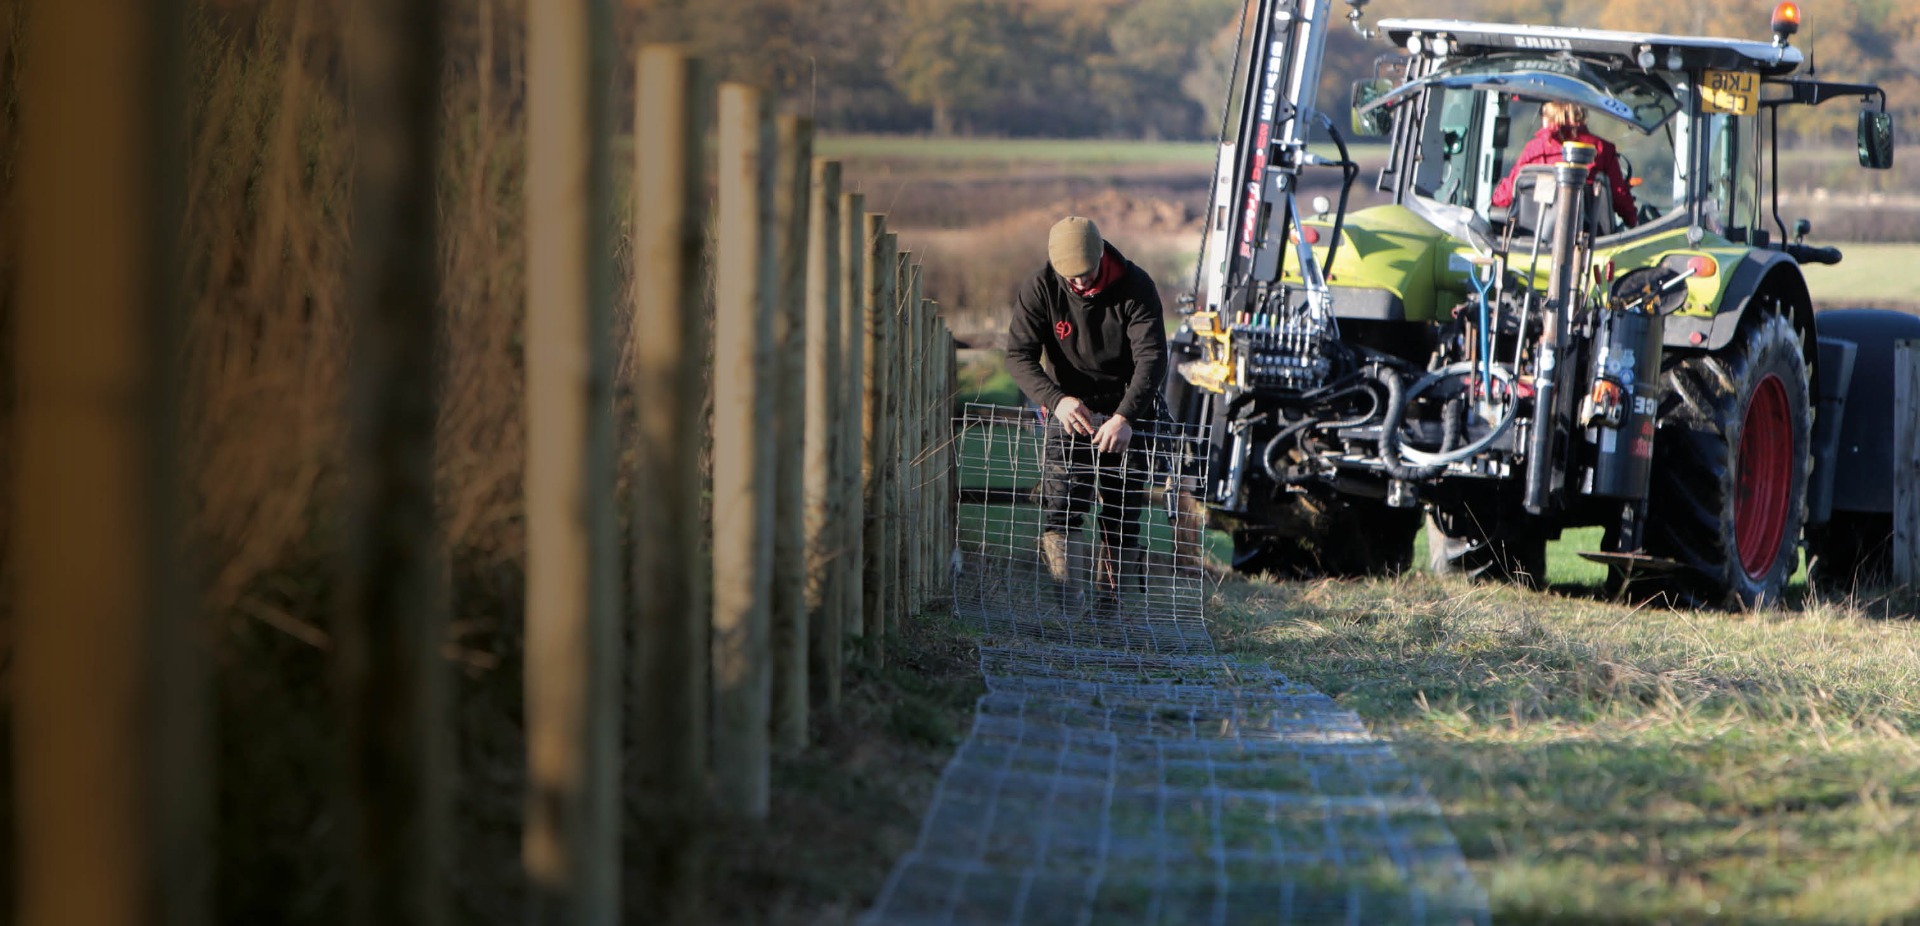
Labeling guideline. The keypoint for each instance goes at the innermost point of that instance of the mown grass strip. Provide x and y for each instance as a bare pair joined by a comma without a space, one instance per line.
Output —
1598,761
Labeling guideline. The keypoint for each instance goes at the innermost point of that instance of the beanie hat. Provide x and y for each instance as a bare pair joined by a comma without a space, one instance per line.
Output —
1074,247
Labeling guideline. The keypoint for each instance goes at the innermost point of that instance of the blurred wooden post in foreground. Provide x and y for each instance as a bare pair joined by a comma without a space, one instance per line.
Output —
853,364
1906,463
793,160
392,619
111,781
879,289
743,441
669,599
571,844
825,398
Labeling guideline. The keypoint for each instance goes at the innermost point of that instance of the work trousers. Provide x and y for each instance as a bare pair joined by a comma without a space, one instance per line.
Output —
1074,475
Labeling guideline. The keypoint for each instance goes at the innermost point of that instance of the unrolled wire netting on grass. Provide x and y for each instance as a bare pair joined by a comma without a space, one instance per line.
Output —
1119,770
1136,572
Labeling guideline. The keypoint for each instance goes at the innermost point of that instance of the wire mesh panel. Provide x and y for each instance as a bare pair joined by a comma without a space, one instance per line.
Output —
1119,770
1060,541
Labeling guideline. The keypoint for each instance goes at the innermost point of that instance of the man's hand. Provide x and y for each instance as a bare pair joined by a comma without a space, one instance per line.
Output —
1073,416
1114,436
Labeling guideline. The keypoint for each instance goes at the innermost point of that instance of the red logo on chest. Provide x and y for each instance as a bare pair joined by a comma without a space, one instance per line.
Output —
1063,330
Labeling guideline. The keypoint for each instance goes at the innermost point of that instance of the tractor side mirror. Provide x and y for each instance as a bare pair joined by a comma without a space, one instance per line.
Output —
1875,140
1502,132
1377,122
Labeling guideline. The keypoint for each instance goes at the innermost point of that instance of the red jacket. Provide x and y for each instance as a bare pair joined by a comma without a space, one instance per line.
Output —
1544,148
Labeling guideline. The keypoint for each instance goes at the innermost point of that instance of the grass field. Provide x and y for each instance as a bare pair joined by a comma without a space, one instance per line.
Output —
1600,763
1869,273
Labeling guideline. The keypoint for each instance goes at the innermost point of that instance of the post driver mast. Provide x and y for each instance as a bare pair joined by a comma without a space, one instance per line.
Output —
1277,112
1278,333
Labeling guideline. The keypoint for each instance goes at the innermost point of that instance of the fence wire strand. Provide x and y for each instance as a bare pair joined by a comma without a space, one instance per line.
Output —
1120,770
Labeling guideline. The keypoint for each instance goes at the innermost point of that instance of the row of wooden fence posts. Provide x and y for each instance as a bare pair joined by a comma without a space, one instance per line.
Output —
829,497
829,506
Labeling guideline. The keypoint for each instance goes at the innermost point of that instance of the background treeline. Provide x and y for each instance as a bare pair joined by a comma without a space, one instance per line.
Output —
1159,68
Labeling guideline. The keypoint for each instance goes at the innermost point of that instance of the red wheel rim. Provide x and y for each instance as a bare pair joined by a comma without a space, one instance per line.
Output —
1764,479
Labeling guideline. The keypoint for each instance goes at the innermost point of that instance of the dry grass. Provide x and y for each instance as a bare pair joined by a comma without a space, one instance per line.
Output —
267,351
267,225
975,270
1605,763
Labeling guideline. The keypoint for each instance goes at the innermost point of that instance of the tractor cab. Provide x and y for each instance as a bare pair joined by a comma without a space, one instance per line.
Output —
1682,116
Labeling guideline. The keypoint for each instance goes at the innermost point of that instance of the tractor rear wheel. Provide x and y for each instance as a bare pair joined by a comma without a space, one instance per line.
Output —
1729,492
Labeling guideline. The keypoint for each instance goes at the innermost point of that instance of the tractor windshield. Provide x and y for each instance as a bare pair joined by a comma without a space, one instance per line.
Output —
1478,117
1645,101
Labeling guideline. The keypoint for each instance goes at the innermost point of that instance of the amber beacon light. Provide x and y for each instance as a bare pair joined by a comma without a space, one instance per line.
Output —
1786,22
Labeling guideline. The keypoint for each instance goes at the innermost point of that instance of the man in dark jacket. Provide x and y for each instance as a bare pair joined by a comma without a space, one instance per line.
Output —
1094,317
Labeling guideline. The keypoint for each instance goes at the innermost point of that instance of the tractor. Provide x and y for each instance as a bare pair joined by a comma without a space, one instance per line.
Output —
1502,373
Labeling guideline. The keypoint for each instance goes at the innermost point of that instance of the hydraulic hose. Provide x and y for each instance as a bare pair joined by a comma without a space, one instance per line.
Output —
1271,450
1452,451
1390,430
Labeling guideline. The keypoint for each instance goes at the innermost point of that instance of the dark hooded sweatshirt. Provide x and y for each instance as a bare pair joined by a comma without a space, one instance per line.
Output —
1109,350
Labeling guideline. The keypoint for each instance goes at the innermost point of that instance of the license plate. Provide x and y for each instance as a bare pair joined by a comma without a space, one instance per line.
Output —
1734,92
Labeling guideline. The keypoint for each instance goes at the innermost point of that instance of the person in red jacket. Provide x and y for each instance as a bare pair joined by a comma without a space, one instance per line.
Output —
1565,122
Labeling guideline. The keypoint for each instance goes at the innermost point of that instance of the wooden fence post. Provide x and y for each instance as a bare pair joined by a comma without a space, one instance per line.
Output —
873,465
825,400
669,600
1906,463
391,623
907,473
572,839
922,467
950,493
928,528
794,168
853,339
112,786
943,435
744,286
918,369
897,564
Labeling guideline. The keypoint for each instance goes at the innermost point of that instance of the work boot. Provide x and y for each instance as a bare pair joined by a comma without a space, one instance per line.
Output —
1057,547
1119,571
